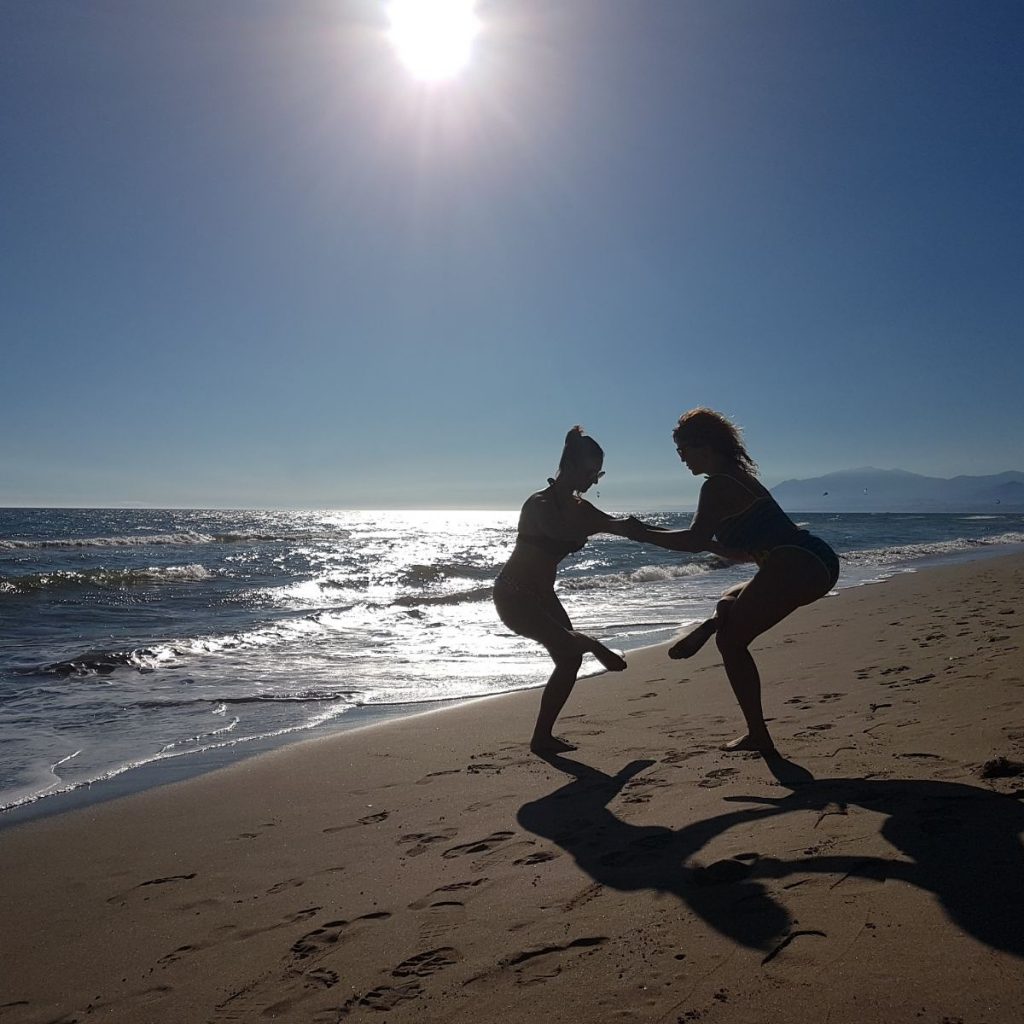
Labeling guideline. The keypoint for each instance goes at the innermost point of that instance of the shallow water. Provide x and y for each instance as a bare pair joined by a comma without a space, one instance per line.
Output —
133,637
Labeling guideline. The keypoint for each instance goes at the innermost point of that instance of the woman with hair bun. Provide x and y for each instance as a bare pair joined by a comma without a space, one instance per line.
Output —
737,516
553,523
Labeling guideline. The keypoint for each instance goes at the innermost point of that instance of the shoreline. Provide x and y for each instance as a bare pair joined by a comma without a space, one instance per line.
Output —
435,870
169,771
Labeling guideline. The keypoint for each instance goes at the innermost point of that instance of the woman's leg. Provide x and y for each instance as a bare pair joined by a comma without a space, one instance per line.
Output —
700,635
566,647
556,693
789,579
611,661
543,619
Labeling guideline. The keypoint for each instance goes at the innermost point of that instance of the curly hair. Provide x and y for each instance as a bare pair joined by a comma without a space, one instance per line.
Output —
578,448
707,427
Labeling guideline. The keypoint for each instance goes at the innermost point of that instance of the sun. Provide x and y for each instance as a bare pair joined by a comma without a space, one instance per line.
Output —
433,38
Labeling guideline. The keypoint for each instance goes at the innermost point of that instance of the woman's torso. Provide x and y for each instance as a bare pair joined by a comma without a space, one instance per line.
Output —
545,536
751,520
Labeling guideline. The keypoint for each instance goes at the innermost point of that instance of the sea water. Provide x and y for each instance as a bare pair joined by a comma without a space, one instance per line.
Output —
130,638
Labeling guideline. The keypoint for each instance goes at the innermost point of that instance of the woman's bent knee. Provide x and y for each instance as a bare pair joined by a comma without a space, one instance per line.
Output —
567,659
728,640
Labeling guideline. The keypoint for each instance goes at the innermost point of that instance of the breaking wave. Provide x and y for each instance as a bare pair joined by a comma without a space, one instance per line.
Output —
186,538
932,549
460,597
73,579
644,574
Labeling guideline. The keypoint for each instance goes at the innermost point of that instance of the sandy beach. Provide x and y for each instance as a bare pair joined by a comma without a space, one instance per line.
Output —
431,869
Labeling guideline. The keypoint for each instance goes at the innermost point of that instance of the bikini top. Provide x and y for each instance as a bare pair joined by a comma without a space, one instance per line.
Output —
552,545
761,526
557,547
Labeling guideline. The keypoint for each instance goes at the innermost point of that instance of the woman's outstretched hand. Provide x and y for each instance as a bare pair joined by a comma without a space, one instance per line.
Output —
635,529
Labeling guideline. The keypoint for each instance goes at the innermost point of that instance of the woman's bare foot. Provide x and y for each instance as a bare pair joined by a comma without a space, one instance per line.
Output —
550,745
611,661
760,744
693,641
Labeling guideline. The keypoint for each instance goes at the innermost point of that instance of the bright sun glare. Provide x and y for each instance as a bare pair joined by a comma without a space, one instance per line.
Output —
433,37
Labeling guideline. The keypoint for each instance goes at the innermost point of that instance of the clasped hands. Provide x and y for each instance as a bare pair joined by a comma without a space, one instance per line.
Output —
635,529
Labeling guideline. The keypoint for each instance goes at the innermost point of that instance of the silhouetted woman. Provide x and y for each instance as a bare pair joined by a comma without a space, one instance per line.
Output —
553,523
737,515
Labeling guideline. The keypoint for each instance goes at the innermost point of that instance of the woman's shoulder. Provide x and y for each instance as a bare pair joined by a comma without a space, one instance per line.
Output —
724,495
716,486
539,499
727,484
538,507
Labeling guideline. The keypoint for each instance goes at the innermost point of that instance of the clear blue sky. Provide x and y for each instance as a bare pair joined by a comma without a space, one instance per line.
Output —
248,259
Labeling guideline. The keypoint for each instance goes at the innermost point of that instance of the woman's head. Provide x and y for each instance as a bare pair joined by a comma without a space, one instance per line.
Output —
709,430
581,461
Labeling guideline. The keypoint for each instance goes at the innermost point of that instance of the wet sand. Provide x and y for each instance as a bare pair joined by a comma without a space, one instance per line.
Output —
432,869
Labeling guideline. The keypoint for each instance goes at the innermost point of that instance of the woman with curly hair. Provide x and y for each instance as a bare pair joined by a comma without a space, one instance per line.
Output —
736,515
553,523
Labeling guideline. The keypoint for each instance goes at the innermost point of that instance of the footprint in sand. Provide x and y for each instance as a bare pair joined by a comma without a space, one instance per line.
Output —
323,977
370,819
675,756
1002,767
715,776
530,954
534,965
170,958
485,845
443,891
422,965
153,881
537,858
322,938
433,775
420,842
288,883
383,998
585,895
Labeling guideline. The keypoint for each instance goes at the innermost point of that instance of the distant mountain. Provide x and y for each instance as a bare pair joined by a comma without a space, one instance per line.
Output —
895,490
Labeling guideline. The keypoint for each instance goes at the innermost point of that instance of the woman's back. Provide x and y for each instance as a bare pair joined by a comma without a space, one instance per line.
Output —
750,519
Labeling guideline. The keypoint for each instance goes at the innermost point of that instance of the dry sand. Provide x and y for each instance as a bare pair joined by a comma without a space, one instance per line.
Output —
431,869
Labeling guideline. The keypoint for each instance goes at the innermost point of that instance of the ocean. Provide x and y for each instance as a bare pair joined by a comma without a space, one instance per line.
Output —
141,639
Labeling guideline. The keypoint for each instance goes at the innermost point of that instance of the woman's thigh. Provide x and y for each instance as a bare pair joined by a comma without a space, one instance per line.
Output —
538,617
789,579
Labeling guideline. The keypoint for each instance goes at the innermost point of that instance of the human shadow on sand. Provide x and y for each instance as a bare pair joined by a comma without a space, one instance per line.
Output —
957,841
